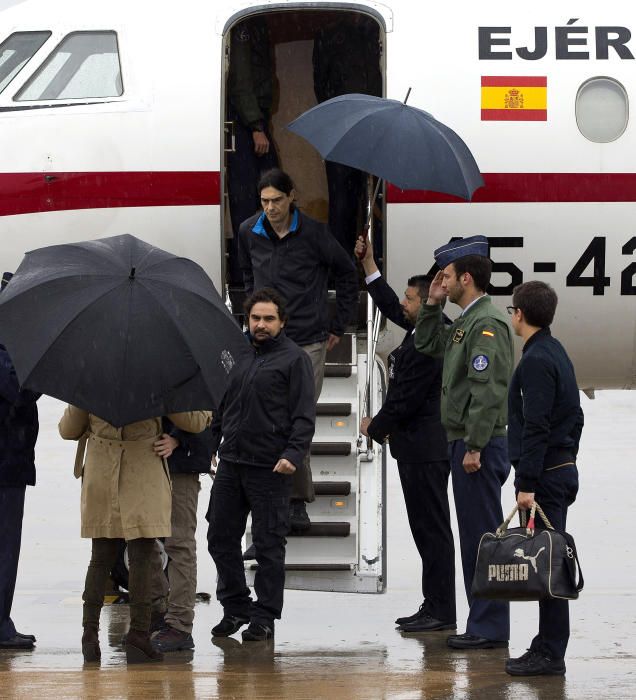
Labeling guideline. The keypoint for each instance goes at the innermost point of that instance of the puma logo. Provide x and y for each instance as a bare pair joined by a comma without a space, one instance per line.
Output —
533,560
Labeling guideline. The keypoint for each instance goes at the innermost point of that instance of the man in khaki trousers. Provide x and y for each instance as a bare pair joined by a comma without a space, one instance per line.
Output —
174,596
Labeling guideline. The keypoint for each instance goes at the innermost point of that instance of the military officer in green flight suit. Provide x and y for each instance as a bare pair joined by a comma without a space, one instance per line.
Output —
478,357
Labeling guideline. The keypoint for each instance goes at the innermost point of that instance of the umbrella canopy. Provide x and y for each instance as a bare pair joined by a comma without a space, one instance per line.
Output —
392,140
120,328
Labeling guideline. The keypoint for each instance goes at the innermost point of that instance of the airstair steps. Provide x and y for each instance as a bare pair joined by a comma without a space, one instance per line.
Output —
333,409
331,448
332,488
324,529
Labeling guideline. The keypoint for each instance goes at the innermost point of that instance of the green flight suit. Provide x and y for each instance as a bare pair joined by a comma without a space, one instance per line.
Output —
478,361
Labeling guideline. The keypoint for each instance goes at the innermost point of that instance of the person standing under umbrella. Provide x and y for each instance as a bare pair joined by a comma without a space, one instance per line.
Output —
288,251
18,434
126,493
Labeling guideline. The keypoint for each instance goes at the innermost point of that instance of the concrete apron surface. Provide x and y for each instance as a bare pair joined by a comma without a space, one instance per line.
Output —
334,645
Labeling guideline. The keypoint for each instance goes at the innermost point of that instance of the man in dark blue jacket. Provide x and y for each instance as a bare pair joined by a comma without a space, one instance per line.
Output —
544,429
267,422
410,420
18,433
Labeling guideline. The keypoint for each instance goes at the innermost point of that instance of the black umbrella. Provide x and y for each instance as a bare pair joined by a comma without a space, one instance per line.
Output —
392,140
120,328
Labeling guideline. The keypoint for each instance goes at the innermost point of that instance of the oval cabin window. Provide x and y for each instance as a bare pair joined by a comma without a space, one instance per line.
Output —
602,109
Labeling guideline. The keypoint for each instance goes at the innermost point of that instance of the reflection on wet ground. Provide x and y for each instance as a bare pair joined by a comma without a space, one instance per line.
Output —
334,645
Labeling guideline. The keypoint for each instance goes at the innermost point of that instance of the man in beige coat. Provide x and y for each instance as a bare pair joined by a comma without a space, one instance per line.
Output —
126,493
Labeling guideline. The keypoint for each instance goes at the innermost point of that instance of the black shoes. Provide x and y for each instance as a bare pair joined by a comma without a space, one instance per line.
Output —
258,632
229,625
411,618
535,663
426,623
171,639
18,641
298,518
470,641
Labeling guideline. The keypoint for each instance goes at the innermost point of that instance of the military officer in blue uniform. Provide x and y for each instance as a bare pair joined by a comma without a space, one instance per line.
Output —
410,420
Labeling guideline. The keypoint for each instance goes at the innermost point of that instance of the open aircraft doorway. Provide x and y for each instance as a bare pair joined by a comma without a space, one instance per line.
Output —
277,65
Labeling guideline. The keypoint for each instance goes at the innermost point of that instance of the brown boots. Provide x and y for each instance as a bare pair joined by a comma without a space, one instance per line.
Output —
90,644
139,648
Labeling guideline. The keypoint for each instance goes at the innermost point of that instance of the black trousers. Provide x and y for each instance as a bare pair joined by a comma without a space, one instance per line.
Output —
555,492
425,487
237,490
11,512
244,169
478,506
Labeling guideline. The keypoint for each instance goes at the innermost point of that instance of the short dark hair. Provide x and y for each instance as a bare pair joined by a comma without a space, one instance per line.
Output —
478,267
422,283
269,296
277,179
537,300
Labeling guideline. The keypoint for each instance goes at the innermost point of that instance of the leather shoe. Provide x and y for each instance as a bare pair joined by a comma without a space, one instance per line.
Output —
411,618
229,625
26,636
426,623
535,663
471,641
16,642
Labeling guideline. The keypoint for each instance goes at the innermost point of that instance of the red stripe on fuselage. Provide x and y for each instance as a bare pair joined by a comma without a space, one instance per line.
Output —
27,193
534,187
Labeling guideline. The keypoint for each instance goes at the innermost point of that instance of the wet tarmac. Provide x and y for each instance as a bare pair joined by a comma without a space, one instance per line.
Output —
335,645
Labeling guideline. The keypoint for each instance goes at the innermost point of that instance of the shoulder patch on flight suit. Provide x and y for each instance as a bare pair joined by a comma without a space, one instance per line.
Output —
480,363
490,334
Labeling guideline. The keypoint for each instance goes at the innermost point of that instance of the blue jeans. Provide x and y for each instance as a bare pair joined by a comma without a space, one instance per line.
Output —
478,505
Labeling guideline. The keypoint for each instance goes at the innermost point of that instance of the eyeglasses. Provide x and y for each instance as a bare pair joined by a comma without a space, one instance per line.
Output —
512,309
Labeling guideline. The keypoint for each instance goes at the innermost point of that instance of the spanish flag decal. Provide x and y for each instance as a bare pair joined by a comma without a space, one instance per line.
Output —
490,334
514,98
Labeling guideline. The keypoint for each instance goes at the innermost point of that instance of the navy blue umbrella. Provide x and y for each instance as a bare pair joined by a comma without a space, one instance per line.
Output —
392,140
120,328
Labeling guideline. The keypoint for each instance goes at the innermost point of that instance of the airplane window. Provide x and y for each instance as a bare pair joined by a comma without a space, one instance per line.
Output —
16,51
602,109
83,65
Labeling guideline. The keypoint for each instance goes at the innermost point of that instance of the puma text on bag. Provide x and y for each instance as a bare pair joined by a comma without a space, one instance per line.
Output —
522,563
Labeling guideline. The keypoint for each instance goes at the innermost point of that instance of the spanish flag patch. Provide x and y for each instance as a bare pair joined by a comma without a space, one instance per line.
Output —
514,98
490,334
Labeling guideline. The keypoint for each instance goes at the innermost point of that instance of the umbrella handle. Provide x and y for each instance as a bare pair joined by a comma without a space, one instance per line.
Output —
365,236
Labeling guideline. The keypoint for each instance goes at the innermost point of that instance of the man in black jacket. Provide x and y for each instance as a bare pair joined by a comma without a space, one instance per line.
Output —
188,456
410,420
267,421
545,421
18,434
283,249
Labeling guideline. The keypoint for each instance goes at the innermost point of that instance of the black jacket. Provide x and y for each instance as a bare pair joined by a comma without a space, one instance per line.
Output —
545,418
410,415
194,452
297,267
18,427
269,409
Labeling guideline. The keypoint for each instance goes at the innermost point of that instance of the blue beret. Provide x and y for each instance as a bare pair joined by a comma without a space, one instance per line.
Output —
6,276
474,245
